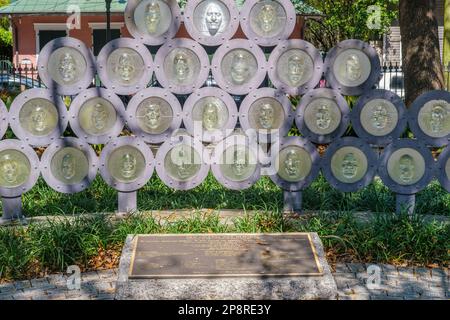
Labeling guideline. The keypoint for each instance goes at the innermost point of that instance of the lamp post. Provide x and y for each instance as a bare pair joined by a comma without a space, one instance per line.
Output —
108,20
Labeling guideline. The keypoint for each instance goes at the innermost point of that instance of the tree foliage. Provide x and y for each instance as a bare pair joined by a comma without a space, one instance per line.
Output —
348,19
5,32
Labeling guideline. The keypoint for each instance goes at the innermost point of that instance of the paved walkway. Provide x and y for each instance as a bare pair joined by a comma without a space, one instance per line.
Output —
351,279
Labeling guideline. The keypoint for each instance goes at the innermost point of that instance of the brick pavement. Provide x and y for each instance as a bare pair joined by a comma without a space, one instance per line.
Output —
351,279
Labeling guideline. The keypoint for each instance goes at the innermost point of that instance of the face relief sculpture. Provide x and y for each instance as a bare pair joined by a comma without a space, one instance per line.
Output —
181,68
128,165
184,166
152,17
349,166
323,117
210,116
125,67
292,164
266,115
296,66
9,169
99,116
437,118
213,18
239,68
380,117
38,118
68,167
267,18
353,68
152,115
240,162
406,166
67,67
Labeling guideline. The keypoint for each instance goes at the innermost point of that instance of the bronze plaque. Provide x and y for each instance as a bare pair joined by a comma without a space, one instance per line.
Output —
224,255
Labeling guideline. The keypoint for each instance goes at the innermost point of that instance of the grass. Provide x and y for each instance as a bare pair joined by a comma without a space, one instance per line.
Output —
95,241
264,196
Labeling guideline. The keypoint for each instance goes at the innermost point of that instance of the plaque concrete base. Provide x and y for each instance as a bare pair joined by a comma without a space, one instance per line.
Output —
226,288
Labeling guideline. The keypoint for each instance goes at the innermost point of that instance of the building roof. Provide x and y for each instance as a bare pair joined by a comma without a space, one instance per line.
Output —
98,6
60,6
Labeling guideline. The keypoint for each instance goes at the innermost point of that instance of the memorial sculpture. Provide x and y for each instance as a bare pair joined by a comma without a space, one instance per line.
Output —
209,141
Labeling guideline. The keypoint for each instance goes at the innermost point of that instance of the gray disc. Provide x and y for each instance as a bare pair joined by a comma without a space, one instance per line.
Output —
268,22
210,114
406,166
443,169
125,66
266,109
234,162
154,114
181,65
352,67
69,165
379,117
97,115
182,163
66,66
4,119
295,66
153,22
429,117
19,168
211,22
297,163
126,164
322,115
239,66
38,117
349,164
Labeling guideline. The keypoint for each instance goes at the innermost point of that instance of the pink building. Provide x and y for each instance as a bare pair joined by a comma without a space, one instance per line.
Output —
34,23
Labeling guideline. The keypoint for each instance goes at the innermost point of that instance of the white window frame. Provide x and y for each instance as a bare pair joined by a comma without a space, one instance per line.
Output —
48,26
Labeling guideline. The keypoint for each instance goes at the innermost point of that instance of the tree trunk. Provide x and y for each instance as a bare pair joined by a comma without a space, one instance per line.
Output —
420,48
446,54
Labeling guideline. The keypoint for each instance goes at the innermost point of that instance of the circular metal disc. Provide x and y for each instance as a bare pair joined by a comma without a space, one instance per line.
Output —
352,67
443,169
268,22
406,166
239,66
297,164
211,22
182,163
154,114
69,165
379,117
182,65
234,162
4,119
210,114
266,109
322,115
19,168
126,164
153,22
349,164
66,66
429,117
295,66
38,117
97,115
125,66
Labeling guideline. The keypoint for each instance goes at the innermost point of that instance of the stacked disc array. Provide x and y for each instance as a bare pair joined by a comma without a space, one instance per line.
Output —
228,112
